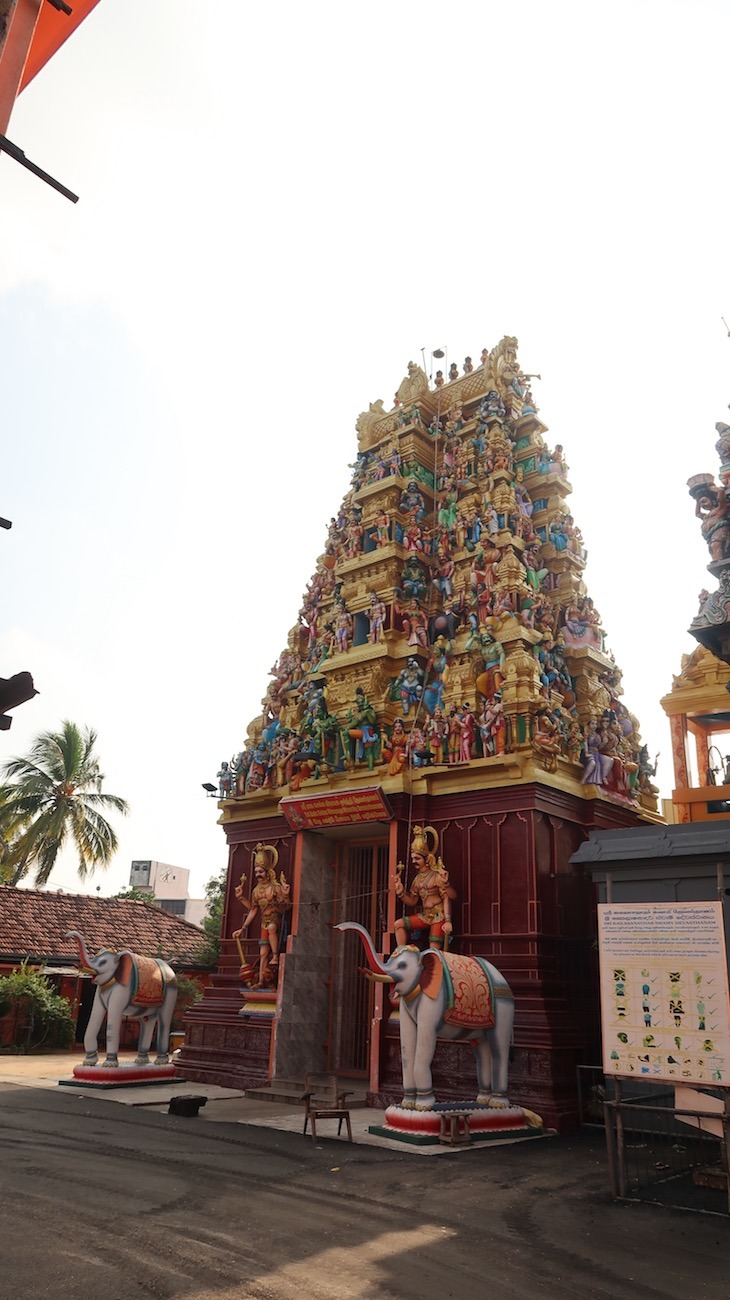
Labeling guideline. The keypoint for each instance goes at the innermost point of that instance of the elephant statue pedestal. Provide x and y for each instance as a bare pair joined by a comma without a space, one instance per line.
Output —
457,1124
122,1076
443,995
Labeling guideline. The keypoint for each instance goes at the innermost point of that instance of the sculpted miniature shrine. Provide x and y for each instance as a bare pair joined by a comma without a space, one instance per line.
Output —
698,706
448,673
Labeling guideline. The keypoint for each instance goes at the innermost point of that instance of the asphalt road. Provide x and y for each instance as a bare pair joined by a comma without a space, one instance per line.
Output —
105,1200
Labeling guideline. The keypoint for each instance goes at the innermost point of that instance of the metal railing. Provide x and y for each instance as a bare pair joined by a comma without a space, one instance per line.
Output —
666,1154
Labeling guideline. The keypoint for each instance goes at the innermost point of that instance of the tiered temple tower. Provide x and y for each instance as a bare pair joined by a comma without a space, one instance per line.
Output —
447,668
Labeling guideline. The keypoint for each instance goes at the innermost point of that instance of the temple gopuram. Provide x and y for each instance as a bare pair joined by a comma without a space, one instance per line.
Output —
447,682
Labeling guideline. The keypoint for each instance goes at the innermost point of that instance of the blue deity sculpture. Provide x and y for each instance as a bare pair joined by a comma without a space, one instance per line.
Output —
412,502
413,579
409,685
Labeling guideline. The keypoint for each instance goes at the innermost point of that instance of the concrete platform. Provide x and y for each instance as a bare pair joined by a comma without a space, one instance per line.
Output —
224,1105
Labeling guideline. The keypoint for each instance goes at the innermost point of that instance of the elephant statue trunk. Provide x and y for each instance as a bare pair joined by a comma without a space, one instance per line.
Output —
378,970
81,945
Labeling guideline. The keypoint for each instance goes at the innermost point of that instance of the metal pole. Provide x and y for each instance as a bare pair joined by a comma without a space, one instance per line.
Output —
726,1143
620,1143
13,151
608,1108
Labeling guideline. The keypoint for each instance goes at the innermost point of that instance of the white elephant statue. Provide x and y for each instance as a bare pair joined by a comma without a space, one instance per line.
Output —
445,995
140,988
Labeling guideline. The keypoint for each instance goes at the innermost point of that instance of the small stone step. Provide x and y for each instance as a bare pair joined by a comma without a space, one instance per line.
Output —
290,1092
279,1093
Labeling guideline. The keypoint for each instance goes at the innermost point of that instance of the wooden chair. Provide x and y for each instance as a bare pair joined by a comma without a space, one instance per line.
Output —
323,1101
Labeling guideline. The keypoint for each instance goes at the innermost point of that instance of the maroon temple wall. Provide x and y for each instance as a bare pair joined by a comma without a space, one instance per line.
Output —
523,905
221,1046
519,902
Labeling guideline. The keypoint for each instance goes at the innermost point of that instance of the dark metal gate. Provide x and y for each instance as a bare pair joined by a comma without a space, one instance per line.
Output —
362,895
663,1153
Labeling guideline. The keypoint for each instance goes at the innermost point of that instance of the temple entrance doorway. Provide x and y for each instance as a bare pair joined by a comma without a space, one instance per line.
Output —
361,895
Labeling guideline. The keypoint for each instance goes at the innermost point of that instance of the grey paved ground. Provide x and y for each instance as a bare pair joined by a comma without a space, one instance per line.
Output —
121,1201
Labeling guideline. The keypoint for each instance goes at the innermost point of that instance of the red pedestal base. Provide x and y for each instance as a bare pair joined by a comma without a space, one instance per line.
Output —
122,1076
475,1124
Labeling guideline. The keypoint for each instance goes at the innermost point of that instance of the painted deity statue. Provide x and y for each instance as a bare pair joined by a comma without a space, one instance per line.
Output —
380,533
409,685
713,511
360,730
546,739
488,661
492,726
596,765
436,735
430,892
343,628
377,614
413,581
415,624
226,781
396,750
438,672
271,898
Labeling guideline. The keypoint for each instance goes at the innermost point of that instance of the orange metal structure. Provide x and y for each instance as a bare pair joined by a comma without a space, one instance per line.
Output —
31,32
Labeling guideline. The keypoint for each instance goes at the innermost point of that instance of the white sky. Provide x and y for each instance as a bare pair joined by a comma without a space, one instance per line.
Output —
280,206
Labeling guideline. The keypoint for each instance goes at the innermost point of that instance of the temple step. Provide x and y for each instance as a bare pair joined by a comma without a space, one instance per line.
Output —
288,1092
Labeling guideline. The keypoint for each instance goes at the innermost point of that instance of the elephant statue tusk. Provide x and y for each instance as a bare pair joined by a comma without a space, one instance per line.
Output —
375,978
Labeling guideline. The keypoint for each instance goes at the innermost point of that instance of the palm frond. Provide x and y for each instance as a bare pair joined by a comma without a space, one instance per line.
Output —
54,792
104,800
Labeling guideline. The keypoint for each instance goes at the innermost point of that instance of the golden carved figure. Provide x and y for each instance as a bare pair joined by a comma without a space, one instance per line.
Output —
430,892
270,897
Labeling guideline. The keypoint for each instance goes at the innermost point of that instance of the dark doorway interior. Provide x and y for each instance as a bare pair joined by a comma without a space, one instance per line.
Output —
362,895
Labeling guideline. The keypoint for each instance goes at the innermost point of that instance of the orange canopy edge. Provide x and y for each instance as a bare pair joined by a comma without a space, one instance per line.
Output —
51,31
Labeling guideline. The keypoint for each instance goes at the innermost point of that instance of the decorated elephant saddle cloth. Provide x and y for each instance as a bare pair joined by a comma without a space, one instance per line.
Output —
469,992
144,976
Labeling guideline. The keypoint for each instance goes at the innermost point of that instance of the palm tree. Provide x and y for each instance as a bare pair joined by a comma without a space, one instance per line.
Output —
10,822
53,796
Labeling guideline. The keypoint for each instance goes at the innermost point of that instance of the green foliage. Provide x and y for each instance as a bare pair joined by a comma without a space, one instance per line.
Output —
137,895
10,823
189,991
215,894
39,1016
52,798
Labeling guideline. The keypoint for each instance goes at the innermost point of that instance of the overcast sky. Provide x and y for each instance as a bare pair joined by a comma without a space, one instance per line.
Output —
280,206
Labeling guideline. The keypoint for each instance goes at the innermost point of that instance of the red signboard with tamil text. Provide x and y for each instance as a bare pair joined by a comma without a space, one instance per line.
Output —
337,809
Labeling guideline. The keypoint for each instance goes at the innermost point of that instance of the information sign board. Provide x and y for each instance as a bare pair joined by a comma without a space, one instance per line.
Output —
665,1010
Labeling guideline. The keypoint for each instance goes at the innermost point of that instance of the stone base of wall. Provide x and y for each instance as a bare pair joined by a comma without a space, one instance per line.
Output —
231,1054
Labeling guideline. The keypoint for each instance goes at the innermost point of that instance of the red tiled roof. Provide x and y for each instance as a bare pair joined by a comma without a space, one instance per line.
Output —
33,923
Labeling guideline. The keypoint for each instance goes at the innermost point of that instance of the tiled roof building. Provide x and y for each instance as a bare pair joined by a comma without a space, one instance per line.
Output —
33,924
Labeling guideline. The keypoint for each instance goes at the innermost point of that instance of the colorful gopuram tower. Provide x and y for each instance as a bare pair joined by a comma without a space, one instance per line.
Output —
448,669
